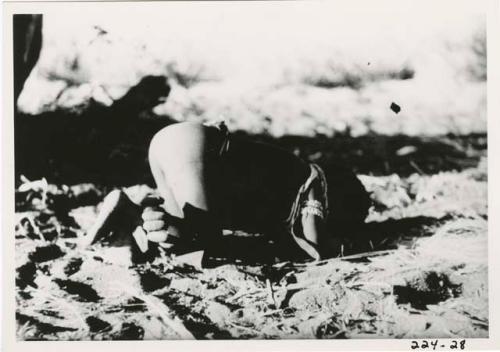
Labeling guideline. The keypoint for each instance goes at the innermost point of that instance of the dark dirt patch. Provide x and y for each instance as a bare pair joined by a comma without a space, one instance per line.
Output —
46,253
50,234
138,257
50,313
150,281
330,330
130,331
73,266
97,325
43,328
26,275
431,289
84,291
199,324
85,194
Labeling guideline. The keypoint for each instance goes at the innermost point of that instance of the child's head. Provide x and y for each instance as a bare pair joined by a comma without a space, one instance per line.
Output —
348,200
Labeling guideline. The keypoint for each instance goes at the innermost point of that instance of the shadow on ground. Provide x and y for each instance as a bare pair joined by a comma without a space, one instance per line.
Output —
372,236
108,149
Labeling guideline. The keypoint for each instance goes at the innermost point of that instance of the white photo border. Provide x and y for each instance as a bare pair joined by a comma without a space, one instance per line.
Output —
10,343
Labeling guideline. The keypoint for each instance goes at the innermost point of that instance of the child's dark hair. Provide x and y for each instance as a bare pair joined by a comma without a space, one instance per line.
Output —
348,200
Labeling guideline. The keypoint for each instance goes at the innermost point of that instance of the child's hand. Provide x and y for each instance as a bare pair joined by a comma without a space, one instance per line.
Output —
154,219
157,227
155,224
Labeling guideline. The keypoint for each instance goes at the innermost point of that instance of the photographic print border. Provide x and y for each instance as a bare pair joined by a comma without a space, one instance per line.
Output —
9,340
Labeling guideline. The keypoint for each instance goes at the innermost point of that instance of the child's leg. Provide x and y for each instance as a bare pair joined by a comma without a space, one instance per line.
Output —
179,165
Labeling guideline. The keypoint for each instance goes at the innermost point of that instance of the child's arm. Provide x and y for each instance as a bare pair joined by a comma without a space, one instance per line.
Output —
313,222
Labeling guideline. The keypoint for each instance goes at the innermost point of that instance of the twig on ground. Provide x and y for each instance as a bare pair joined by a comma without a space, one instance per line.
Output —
243,293
253,331
36,229
349,257
415,166
272,312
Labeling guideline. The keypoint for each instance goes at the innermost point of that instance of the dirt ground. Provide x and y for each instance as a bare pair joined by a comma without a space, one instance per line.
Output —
417,269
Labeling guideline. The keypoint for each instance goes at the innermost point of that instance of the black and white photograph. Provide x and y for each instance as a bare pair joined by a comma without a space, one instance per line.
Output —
251,170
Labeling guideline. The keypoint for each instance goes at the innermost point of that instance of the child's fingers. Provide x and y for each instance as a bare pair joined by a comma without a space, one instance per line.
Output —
165,245
157,236
150,208
154,225
161,236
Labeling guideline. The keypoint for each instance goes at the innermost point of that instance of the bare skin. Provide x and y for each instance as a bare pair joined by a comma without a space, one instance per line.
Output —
251,187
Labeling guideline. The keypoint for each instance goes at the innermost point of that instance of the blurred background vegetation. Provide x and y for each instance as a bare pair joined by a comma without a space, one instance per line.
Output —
291,73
